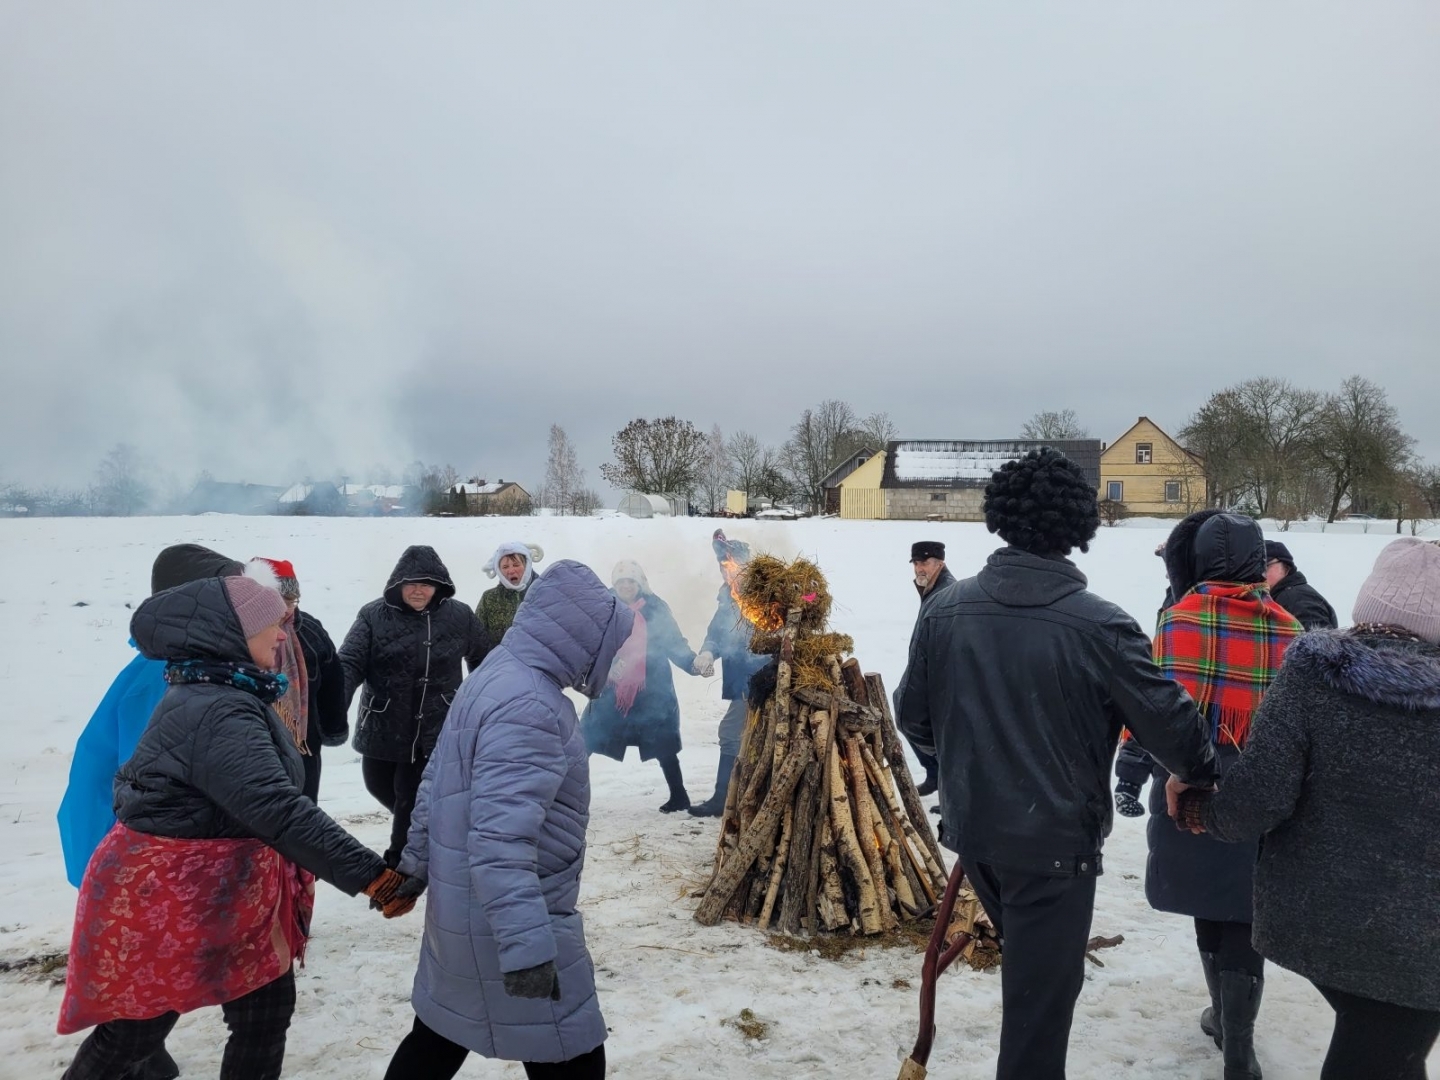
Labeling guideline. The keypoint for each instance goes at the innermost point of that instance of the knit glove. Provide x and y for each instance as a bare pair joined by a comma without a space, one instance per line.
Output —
539,981
382,890
1190,813
704,665
404,900
1127,799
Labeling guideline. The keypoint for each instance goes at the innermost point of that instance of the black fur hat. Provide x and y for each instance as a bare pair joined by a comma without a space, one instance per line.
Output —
1042,503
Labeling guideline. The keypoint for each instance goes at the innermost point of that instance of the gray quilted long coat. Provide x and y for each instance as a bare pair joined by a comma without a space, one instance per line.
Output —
499,831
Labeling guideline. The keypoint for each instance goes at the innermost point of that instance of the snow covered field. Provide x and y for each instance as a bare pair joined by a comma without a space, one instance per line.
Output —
666,984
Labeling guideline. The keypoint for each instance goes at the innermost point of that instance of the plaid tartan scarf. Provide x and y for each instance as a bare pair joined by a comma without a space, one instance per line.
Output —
1224,643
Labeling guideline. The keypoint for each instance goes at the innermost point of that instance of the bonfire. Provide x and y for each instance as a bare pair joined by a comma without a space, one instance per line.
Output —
823,829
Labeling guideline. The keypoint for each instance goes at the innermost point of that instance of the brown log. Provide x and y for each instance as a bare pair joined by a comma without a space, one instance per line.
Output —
804,840
864,810
849,850
756,837
783,675
824,740
894,753
758,768
830,904
894,866
854,682
729,829
934,871
781,853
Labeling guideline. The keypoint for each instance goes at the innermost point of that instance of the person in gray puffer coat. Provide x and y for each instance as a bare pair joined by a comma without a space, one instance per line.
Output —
1338,784
498,835
405,649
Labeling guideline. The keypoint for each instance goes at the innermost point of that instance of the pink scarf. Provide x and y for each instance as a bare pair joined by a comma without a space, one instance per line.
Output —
294,708
627,673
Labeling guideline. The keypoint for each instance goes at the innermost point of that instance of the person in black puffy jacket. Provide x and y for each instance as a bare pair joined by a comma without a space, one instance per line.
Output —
406,649
209,801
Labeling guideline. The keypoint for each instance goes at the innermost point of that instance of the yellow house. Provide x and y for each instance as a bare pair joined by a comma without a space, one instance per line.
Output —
860,494
1152,474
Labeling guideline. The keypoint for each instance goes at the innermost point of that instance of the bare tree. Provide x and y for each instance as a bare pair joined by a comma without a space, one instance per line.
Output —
1054,426
746,459
583,502
716,471
563,475
1189,473
820,440
1358,441
657,457
876,430
120,488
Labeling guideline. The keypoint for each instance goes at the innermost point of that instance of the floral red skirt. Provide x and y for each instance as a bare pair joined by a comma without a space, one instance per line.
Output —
166,925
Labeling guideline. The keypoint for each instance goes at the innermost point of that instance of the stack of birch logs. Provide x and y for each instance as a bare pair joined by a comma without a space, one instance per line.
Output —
823,829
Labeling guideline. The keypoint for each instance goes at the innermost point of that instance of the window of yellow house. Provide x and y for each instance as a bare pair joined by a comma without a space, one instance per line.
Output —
1172,491
1143,453
1115,491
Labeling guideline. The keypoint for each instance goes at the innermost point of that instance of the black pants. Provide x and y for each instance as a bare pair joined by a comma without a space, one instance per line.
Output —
1044,923
255,1051
1230,941
1375,1040
424,1055
394,784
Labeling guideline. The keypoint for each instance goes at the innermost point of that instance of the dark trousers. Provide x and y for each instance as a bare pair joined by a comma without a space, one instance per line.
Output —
1044,924
1375,1040
255,1050
311,786
1230,942
424,1055
928,763
394,784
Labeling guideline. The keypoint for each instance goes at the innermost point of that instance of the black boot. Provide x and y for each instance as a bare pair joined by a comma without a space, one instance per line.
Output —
1210,1018
679,797
158,1066
1239,1005
929,785
715,805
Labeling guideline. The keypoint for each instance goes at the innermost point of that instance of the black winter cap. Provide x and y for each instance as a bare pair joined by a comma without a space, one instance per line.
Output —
1274,550
927,549
181,564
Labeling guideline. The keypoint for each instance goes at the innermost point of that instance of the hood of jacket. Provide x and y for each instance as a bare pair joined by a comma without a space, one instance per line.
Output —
181,563
1400,674
419,563
195,621
1212,545
570,627
1019,578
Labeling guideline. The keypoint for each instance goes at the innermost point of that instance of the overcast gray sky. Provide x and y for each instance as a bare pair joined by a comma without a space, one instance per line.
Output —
256,238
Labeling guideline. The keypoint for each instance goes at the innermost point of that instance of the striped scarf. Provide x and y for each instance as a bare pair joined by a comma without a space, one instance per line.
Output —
1224,643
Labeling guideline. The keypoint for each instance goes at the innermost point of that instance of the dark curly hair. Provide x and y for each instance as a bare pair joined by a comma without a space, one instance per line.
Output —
1042,503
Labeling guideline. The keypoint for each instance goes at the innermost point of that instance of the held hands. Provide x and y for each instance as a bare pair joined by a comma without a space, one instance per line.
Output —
394,894
1185,804
540,981
704,665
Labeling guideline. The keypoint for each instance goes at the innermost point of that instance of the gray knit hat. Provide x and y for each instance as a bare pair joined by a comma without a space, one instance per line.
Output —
257,605
1404,589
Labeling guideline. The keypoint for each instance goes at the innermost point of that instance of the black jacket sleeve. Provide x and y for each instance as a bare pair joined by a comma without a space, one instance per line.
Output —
1133,765
327,683
913,694
237,766
479,639
1158,711
355,656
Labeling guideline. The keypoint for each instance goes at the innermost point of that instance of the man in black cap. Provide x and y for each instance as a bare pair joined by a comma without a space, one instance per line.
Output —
927,562
1292,592
1019,681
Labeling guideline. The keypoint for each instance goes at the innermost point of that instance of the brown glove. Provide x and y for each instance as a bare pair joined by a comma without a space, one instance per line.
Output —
1190,812
403,902
383,889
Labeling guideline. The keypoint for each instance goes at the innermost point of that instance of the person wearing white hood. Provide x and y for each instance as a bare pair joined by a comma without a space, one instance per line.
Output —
514,564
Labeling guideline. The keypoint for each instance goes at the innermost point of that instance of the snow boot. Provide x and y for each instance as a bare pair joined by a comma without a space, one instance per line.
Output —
679,797
158,1066
929,785
715,805
1210,1018
1239,1006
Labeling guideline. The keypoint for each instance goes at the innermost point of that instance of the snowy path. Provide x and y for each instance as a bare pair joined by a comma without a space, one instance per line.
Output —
666,983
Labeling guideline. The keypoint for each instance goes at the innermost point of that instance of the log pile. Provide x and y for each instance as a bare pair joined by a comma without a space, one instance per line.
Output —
823,829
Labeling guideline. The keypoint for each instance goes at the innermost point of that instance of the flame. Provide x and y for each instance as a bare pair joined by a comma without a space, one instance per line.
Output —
761,616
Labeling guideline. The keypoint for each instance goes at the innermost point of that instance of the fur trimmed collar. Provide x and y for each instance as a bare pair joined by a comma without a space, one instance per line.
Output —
1402,674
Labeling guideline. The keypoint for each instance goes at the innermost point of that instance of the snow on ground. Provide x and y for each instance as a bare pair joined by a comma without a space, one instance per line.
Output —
666,984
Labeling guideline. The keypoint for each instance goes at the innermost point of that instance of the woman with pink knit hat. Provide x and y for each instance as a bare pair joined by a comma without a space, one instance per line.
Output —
1339,781
201,893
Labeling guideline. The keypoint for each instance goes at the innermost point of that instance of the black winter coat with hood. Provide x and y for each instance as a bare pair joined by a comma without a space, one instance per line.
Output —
215,762
409,661
329,722
1187,874
1303,600
1020,680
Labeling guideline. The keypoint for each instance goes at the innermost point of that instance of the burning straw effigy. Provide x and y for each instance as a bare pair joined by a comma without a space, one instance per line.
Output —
823,829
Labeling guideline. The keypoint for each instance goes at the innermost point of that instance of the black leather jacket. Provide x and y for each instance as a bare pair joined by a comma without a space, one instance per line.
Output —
1019,682
216,763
